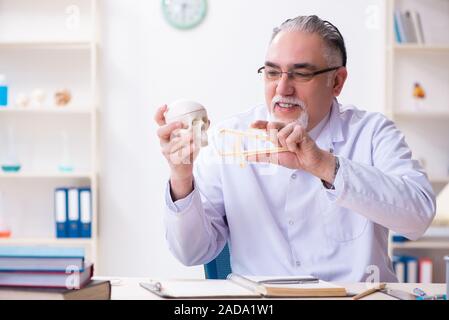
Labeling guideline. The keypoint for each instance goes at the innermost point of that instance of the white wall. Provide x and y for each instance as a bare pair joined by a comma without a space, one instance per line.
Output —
145,63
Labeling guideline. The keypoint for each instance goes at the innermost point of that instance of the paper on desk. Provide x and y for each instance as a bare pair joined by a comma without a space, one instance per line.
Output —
204,288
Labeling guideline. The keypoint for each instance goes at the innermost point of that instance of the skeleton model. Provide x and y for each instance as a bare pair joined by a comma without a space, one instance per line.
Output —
193,115
238,152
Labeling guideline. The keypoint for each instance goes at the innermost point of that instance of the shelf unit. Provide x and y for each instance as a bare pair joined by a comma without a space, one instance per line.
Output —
424,124
425,127
65,57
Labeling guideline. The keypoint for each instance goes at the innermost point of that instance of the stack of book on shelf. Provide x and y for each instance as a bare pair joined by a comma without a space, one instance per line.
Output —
413,269
48,273
408,27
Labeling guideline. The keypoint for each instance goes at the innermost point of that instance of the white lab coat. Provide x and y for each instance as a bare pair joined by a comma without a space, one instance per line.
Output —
279,221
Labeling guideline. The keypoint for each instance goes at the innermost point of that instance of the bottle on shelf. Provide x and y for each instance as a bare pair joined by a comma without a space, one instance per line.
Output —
3,91
11,162
5,231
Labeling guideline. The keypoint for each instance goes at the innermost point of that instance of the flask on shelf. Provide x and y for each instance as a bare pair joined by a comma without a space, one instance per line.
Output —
3,91
11,163
66,164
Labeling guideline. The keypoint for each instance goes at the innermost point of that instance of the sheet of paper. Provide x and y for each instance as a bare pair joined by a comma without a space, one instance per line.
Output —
203,288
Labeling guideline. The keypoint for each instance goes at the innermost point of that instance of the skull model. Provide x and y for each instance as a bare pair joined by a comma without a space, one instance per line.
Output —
193,115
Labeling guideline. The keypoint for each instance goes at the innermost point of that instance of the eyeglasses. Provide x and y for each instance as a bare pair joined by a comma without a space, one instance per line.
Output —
272,74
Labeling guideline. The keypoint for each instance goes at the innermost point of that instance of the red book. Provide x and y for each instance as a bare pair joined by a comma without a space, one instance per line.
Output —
425,270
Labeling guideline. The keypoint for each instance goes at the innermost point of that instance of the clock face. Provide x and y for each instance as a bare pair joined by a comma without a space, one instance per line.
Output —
184,14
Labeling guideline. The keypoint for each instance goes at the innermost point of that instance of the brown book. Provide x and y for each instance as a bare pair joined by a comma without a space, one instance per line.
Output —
94,290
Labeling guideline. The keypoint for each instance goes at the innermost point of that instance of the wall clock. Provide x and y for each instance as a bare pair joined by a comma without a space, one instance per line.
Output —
184,14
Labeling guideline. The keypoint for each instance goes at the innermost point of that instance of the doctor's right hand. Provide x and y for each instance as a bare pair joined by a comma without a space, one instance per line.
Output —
180,152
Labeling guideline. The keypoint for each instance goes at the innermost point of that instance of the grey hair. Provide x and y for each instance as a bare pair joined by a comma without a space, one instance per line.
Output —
334,42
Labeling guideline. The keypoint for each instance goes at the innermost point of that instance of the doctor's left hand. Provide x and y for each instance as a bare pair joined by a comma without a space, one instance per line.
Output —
303,153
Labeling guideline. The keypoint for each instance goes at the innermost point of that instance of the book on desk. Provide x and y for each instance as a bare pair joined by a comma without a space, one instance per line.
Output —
33,272
237,286
93,290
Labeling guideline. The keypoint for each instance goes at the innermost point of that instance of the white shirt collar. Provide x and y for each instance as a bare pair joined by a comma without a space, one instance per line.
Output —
315,132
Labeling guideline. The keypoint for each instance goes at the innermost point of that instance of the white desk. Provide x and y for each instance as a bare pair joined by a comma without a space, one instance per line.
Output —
129,289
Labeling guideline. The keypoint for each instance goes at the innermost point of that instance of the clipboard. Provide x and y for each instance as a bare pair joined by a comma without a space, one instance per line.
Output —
154,287
198,289
237,286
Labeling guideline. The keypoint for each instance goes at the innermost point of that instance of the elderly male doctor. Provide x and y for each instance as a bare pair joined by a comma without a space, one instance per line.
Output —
347,179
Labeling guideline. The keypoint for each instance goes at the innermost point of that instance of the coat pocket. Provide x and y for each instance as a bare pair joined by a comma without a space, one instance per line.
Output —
341,224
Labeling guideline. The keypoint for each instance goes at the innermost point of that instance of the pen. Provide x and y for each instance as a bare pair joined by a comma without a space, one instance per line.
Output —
435,297
379,287
289,281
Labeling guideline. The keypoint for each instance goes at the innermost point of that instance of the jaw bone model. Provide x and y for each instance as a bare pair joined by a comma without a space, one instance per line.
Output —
242,154
193,115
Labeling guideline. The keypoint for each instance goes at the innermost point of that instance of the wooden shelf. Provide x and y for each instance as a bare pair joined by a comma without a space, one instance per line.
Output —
45,44
441,180
435,115
45,175
48,110
409,47
436,237
434,244
47,241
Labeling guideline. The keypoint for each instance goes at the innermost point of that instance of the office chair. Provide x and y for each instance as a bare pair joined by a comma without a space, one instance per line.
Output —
220,267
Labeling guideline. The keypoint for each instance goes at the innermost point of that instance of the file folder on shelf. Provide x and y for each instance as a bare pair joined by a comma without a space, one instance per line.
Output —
61,212
85,197
412,269
399,268
73,218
